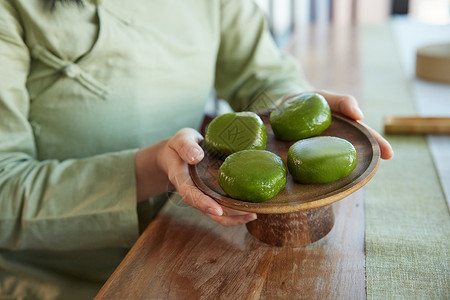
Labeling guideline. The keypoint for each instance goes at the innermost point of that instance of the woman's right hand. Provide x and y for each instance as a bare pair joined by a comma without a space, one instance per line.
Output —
165,164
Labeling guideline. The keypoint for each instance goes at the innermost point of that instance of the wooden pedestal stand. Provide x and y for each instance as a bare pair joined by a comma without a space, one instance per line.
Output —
293,229
300,214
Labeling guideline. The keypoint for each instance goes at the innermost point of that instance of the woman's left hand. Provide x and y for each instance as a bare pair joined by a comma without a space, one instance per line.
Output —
348,106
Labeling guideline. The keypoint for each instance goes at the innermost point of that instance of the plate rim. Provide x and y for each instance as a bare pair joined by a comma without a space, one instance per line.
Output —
328,198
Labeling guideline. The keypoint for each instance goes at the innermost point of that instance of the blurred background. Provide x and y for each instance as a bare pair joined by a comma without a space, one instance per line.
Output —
327,36
369,49
286,16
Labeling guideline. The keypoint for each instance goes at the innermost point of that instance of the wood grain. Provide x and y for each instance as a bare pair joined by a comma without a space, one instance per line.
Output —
417,125
185,255
293,229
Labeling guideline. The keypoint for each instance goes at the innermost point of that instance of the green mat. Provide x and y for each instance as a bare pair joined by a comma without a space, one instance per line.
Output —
407,218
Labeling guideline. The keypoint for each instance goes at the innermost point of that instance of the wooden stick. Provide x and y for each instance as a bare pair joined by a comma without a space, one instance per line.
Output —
417,125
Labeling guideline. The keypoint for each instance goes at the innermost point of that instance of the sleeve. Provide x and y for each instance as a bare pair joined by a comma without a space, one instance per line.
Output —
252,73
61,205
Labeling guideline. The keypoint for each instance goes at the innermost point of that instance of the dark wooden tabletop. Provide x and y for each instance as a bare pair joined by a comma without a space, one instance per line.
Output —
184,255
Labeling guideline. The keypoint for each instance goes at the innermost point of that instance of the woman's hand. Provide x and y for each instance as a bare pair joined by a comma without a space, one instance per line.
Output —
167,165
348,106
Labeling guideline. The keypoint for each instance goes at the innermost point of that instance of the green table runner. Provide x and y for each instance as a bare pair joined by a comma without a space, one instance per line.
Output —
407,218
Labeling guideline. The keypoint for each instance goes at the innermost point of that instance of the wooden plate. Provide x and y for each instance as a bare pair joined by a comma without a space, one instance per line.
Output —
295,196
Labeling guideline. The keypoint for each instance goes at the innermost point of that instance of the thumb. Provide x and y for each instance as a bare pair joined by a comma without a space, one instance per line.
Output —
185,143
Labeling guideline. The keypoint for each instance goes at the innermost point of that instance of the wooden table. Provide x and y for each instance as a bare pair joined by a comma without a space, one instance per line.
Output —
184,255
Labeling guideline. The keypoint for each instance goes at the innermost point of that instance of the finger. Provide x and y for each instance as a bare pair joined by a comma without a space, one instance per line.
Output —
192,196
344,104
233,212
386,151
185,143
196,198
234,220
179,176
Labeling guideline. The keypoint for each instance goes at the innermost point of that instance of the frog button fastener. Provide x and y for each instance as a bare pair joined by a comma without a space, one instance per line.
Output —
72,71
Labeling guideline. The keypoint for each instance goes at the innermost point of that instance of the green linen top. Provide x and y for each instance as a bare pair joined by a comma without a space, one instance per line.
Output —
81,89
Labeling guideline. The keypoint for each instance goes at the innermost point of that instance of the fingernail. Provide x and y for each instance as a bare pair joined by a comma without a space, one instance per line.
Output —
213,211
193,154
358,111
251,217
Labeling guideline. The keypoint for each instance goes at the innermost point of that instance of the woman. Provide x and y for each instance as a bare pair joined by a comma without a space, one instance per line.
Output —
93,102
